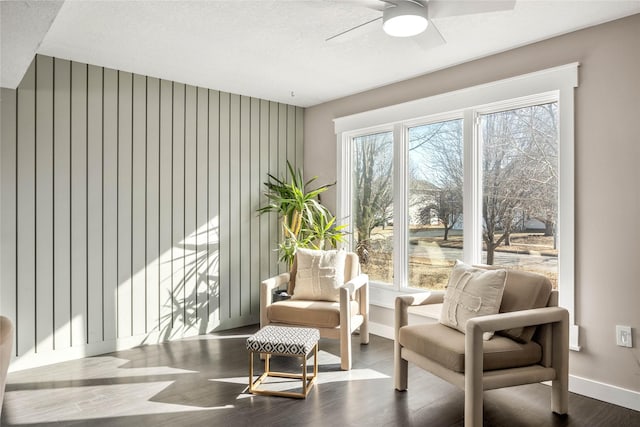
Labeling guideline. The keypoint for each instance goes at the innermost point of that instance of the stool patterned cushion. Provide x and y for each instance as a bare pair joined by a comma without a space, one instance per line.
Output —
284,340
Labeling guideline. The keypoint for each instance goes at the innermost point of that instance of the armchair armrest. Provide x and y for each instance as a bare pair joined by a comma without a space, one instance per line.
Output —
402,319
266,294
423,298
360,282
356,283
268,285
473,347
404,301
516,319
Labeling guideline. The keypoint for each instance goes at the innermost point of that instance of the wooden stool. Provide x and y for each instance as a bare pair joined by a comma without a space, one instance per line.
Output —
284,341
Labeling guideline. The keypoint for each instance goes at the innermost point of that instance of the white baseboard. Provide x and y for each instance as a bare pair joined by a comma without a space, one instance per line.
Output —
179,331
381,330
597,390
605,392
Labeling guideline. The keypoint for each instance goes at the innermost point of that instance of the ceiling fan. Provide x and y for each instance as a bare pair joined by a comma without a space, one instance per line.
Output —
407,18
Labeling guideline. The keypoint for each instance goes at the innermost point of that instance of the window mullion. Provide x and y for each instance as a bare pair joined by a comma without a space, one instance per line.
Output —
344,191
566,212
472,184
400,206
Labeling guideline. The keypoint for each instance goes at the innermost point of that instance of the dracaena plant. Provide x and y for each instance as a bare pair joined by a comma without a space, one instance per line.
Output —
306,223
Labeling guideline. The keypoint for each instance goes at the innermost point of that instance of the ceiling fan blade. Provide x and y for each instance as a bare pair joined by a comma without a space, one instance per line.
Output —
430,38
378,5
444,8
354,31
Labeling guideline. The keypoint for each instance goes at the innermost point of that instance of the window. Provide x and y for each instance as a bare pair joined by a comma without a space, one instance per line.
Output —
484,174
372,209
435,202
520,188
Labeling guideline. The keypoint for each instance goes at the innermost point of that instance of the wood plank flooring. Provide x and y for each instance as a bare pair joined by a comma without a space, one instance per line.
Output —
203,381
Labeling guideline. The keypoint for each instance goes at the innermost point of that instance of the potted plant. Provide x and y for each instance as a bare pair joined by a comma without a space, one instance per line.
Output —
306,223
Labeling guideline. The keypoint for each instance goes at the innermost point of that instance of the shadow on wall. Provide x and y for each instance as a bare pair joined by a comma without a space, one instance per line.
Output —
190,300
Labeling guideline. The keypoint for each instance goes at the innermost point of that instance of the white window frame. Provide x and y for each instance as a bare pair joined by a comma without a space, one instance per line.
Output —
552,84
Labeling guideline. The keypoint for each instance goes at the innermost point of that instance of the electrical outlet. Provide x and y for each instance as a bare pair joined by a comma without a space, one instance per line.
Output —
623,336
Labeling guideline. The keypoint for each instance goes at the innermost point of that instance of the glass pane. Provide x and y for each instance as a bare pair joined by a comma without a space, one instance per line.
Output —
372,211
435,202
520,188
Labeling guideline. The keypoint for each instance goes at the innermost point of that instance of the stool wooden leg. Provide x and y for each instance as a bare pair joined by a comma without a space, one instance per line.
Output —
304,375
251,371
315,361
266,363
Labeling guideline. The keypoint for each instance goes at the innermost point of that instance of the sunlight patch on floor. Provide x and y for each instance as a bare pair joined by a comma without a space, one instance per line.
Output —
91,402
323,377
293,385
211,337
89,369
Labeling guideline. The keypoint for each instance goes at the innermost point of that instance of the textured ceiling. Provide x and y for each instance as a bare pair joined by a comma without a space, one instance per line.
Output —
273,49
23,25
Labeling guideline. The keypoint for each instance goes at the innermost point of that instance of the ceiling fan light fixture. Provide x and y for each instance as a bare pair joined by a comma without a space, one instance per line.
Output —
406,19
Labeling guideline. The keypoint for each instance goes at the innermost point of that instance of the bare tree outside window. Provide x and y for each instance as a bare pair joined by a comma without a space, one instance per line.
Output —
435,202
372,210
520,188
519,196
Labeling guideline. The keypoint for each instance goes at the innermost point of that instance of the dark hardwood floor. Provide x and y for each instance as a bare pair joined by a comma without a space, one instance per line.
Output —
203,381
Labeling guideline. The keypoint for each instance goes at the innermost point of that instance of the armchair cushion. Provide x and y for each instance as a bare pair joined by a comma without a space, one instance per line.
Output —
320,314
319,274
523,291
471,292
445,346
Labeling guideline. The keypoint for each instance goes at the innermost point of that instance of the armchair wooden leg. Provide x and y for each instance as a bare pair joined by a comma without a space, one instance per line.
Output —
473,409
345,349
400,369
345,330
560,386
560,396
473,371
364,333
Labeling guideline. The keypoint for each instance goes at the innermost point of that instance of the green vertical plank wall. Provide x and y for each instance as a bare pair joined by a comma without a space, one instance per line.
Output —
138,205
190,193
61,204
152,208
124,227
110,204
44,203
25,212
95,134
129,208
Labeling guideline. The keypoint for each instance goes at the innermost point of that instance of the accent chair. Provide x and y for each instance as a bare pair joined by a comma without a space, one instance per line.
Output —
531,345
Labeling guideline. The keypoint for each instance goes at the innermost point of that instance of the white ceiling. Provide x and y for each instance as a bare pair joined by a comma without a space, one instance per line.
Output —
23,25
273,48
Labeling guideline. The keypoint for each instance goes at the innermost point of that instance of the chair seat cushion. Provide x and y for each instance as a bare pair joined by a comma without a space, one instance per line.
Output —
321,314
445,346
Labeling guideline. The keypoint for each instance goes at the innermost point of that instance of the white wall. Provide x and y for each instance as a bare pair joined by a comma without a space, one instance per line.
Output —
129,208
607,107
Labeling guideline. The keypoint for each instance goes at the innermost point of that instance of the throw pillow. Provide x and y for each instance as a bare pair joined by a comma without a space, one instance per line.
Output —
523,291
319,274
471,292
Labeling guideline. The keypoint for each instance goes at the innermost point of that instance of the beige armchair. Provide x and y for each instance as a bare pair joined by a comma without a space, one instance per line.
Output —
6,341
337,320
475,365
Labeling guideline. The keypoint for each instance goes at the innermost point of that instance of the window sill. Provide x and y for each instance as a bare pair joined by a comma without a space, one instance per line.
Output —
385,295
